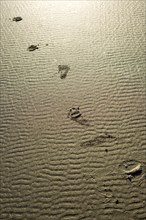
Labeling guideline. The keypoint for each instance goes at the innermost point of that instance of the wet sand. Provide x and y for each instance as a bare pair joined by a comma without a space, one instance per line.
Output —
55,167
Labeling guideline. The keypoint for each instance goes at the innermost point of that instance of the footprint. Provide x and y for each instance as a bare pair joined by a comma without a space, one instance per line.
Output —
76,115
98,139
32,47
131,168
17,19
63,70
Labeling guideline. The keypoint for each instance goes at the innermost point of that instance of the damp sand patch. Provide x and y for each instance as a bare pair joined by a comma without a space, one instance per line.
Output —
119,215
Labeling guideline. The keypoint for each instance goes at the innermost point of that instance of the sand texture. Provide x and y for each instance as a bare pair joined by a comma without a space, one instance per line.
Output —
72,110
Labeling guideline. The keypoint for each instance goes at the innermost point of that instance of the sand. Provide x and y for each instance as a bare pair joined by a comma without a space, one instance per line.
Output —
53,167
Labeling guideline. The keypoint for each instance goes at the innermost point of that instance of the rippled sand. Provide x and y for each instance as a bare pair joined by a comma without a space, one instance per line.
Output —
53,167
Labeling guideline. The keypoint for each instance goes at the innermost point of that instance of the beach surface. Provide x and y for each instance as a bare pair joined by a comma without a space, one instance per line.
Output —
72,103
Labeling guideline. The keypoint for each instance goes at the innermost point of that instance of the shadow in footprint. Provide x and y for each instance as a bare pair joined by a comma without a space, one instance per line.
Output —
82,121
